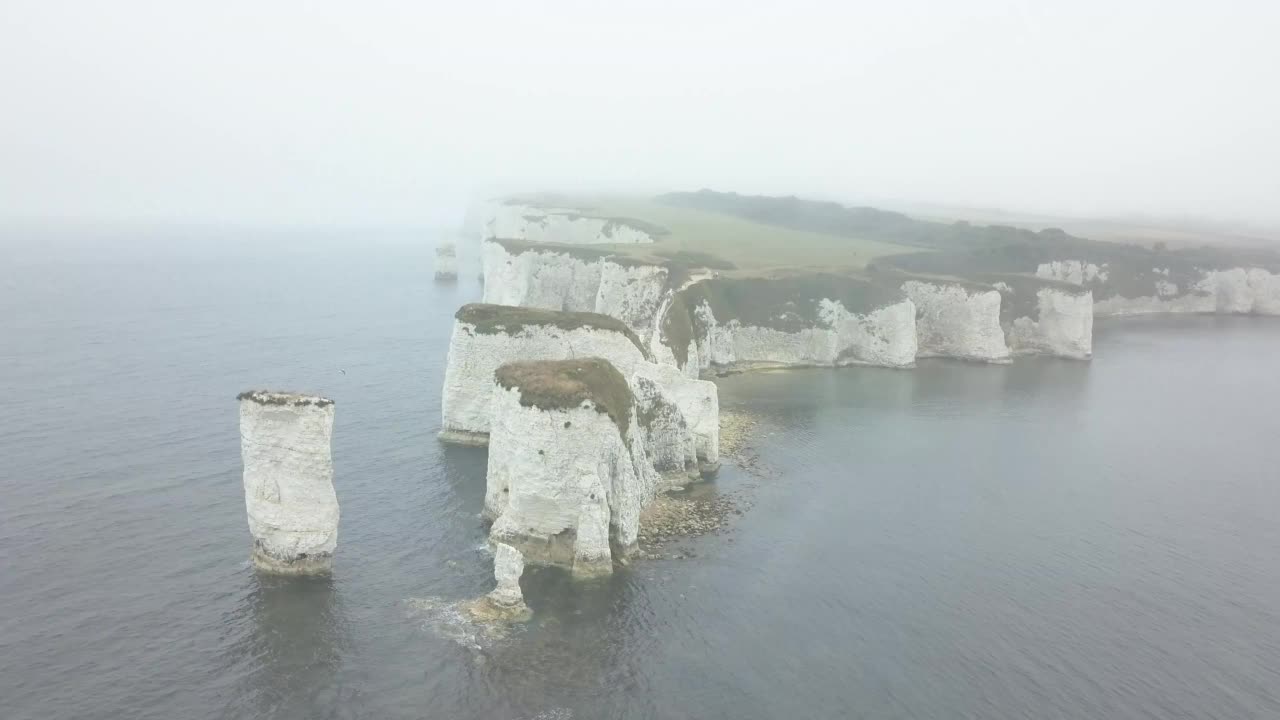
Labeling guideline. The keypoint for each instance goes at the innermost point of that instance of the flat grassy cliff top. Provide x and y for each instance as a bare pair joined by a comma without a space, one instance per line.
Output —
760,236
567,384
274,397
494,319
726,243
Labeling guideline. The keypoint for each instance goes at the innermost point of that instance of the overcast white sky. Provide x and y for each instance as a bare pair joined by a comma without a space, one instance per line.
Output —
388,113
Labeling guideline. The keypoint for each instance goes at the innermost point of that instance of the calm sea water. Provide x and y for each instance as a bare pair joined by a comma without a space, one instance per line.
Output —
1045,540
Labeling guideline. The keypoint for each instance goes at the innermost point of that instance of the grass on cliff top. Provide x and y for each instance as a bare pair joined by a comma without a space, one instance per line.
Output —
274,397
566,384
494,319
732,244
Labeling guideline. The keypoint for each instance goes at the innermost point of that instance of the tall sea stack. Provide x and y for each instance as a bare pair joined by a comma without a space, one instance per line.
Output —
288,480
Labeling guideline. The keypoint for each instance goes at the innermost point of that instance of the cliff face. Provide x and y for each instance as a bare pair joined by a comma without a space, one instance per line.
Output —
957,321
576,280
725,324
698,403
1044,317
568,466
565,225
1178,288
288,480
1062,326
548,278
486,337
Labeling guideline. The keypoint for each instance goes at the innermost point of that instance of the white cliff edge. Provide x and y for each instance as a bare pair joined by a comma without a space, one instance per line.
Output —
288,481
486,337
884,337
1238,291
956,321
568,468
577,280
569,226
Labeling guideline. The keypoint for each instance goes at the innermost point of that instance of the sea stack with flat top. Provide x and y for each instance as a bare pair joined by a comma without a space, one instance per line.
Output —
569,470
446,262
288,480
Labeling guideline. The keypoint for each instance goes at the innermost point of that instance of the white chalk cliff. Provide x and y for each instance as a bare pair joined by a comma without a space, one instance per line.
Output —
288,480
486,337
519,221
576,280
568,468
957,321
698,404
1060,325
446,262
1239,290
885,336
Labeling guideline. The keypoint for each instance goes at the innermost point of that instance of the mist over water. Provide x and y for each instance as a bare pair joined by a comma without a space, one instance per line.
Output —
1046,539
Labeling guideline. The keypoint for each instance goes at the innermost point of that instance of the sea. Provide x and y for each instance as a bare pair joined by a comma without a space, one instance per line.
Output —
1047,539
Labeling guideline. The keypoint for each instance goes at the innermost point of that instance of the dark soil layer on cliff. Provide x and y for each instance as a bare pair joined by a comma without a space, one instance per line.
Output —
494,319
272,397
586,253
567,384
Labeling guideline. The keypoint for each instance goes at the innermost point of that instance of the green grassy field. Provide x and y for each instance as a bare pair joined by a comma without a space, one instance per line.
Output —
753,247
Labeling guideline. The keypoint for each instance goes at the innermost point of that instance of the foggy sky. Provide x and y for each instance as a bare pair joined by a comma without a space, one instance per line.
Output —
386,113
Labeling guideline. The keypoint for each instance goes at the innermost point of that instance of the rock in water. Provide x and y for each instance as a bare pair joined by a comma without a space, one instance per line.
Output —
508,566
446,262
506,602
288,480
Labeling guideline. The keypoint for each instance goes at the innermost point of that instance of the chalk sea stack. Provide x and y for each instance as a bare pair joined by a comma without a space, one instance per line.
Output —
568,467
446,262
506,602
288,480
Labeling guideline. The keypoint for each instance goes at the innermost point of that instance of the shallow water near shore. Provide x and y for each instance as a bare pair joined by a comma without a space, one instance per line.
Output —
1047,539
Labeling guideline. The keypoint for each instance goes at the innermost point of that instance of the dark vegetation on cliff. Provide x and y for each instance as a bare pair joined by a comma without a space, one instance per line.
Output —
832,218
681,260
789,303
965,250
272,397
1020,294
567,384
585,253
508,320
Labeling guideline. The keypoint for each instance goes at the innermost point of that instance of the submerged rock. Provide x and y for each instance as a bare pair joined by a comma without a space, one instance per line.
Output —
288,480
